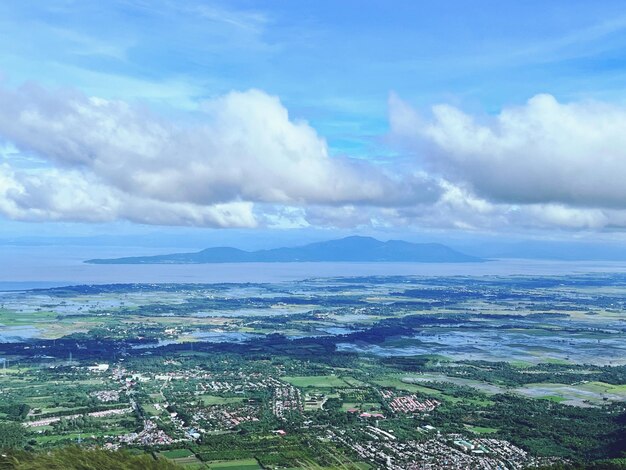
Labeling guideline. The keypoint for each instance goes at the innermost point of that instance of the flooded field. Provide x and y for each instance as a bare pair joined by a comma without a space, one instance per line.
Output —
518,320
499,343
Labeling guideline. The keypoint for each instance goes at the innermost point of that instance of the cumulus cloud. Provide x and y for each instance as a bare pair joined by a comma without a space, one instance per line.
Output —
240,160
459,208
70,195
112,159
543,152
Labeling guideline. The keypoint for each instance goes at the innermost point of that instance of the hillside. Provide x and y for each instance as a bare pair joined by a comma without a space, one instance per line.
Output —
77,458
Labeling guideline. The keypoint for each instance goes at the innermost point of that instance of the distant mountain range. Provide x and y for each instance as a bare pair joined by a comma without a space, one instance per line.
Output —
355,249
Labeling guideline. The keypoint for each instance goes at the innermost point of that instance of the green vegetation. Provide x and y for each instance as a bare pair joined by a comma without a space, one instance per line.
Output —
76,458
244,464
177,453
482,430
215,400
319,381
12,435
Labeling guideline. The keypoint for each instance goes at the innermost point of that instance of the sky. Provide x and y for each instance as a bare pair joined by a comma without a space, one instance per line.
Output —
277,120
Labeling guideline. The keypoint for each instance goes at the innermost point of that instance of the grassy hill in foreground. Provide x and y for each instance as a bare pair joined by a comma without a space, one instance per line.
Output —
77,458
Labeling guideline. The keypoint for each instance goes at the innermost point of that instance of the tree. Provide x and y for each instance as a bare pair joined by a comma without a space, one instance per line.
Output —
12,435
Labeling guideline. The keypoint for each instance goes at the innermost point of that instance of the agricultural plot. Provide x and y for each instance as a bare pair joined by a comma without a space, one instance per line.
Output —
322,381
244,464
183,457
209,400
583,394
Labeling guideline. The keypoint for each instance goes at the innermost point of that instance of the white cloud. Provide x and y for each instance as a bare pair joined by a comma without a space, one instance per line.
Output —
241,161
460,209
70,195
542,152
108,159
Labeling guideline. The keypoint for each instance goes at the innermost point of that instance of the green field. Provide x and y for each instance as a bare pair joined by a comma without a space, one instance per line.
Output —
215,400
176,453
245,464
482,429
369,406
398,383
151,409
321,381
183,457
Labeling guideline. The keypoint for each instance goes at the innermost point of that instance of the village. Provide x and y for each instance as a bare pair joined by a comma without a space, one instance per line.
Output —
438,451
225,402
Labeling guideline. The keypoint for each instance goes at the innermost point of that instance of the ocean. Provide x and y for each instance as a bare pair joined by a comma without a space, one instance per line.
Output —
39,267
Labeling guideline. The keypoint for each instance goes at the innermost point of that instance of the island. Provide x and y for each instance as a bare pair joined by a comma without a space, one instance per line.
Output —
349,249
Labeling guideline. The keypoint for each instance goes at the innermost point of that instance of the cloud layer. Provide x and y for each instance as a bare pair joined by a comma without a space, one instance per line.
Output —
108,159
240,160
542,163
542,152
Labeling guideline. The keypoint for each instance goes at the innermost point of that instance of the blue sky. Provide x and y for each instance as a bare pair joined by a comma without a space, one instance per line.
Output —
349,84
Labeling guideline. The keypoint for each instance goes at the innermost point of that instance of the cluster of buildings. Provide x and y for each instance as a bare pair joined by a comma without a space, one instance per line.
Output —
409,403
98,368
217,418
106,395
286,400
94,414
151,435
373,441
451,452
230,383
367,414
